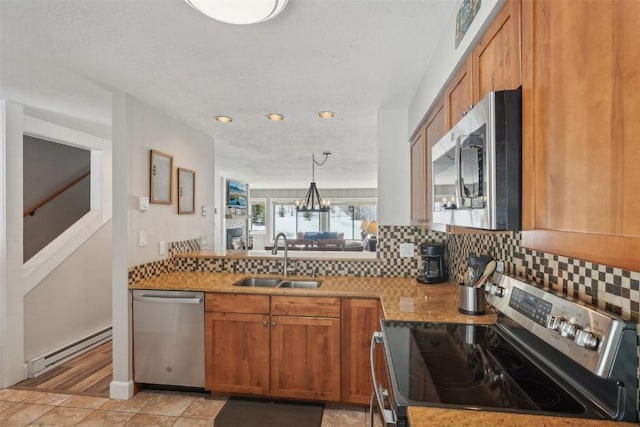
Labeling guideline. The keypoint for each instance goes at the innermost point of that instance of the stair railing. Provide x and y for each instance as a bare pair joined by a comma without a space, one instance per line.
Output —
32,210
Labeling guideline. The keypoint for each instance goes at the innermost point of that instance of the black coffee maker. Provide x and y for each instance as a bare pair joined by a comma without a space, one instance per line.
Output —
434,269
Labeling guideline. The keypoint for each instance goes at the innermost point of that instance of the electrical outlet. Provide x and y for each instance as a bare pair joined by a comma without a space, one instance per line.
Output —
142,238
163,247
407,250
500,266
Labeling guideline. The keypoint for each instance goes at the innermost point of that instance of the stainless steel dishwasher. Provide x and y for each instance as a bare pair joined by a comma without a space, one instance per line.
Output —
168,334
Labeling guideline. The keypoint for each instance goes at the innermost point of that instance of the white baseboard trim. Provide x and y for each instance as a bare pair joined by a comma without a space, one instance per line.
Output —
122,390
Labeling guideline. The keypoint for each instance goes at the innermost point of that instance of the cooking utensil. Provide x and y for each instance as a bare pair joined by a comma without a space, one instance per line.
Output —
488,271
477,263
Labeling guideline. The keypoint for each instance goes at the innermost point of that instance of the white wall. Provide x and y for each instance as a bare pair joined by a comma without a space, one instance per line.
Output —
138,128
394,189
191,149
73,301
12,367
447,58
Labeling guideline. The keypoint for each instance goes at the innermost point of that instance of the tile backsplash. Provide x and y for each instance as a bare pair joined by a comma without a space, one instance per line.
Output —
609,288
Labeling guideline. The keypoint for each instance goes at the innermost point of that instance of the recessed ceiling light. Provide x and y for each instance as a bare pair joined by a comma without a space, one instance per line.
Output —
224,119
326,114
275,117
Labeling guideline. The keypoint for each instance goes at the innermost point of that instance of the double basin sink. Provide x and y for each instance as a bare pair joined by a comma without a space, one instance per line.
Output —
273,282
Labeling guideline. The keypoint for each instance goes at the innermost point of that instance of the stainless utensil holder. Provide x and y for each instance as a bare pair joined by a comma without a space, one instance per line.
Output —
471,299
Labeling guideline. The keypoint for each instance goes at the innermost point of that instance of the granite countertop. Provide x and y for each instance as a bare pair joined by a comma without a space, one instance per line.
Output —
402,299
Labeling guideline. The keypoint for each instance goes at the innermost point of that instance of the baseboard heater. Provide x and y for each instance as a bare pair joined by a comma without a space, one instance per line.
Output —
45,362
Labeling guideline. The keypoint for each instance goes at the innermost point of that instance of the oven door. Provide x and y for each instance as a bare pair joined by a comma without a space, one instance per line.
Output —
381,398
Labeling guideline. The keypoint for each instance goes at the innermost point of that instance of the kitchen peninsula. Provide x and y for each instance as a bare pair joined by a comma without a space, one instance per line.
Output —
393,298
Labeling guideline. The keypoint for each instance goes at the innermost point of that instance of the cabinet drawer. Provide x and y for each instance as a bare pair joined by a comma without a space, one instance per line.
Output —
305,306
237,303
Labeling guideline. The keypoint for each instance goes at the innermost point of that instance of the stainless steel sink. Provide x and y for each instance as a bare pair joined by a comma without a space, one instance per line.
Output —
259,282
301,284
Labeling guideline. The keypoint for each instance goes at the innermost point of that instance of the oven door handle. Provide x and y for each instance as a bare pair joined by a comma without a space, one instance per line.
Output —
379,393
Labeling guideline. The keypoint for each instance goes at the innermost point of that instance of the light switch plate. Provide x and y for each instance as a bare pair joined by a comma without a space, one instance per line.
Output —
407,250
163,247
142,238
143,203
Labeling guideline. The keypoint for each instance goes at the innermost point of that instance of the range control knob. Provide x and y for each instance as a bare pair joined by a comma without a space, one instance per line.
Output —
586,339
554,322
497,290
568,330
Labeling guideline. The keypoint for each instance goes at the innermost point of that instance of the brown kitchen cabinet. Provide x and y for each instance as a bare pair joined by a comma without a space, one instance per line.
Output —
421,197
459,94
305,347
580,130
360,319
496,57
419,180
237,343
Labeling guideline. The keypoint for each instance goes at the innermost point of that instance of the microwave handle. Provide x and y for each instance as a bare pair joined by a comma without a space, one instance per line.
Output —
458,191
379,394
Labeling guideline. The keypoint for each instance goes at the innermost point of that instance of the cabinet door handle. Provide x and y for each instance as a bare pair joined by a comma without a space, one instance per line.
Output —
265,322
273,324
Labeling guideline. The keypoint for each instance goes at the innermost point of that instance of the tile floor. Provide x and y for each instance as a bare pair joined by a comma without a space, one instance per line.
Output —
147,408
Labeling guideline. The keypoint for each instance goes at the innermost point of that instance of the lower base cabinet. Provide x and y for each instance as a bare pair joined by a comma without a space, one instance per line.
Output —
280,346
305,357
360,319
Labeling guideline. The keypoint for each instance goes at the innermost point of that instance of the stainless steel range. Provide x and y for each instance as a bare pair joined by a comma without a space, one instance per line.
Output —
547,354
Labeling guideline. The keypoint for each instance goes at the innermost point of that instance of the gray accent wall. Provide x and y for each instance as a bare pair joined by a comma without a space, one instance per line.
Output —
47,167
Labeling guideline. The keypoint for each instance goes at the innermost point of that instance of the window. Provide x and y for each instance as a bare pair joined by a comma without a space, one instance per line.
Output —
346,218
259,215
284,219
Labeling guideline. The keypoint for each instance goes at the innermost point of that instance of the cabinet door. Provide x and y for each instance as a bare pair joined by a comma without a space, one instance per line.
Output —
580,130
305,357
419,180
237,353
459,95
496,58
360,319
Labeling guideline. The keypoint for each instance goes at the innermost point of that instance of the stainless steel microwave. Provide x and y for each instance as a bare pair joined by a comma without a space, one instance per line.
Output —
477,166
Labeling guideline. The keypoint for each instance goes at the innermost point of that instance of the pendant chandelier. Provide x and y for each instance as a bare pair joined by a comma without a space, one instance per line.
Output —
312,201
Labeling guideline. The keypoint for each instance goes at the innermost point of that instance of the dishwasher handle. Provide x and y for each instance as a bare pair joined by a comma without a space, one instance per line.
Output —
379,394
171,299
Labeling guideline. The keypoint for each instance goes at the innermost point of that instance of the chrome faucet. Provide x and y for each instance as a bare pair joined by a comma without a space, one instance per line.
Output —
274,251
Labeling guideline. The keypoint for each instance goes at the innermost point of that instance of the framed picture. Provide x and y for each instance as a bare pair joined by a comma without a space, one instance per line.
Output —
186,191
161,178
236,194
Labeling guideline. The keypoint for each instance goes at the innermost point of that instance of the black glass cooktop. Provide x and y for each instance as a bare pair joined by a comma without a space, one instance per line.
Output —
470,365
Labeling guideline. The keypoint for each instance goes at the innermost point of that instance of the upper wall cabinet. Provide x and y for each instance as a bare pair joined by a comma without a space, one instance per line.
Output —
418,180
496,58
580,130
421,197
459,94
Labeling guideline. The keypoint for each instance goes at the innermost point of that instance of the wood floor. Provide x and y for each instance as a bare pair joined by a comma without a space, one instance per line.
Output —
89,374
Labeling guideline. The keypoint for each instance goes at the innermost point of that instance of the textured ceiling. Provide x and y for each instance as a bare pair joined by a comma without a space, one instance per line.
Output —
351,57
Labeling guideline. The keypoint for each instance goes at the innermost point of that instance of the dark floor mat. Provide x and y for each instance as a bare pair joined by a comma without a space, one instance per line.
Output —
238,412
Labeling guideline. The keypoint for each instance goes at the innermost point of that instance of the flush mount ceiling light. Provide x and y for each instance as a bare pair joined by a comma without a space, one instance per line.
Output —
239,12
224,119
275,117
312,201
326,114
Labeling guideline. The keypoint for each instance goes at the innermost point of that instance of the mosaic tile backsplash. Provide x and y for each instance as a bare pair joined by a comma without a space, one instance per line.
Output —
609,288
